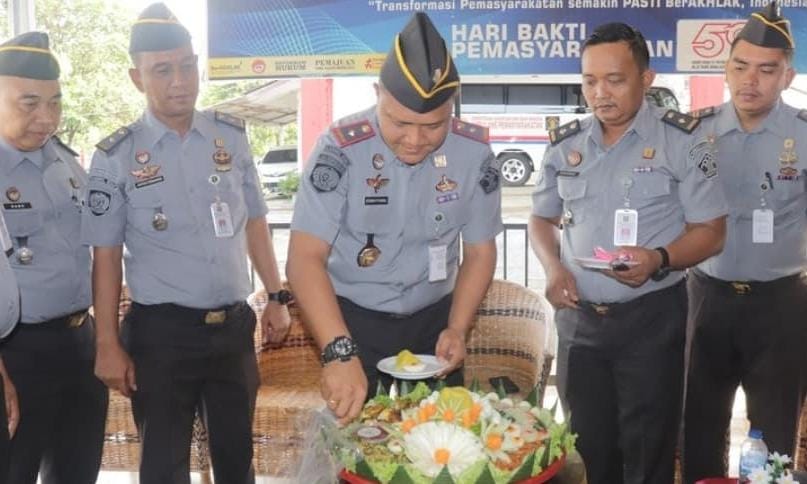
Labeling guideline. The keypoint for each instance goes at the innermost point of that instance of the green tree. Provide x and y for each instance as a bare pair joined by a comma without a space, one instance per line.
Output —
91,39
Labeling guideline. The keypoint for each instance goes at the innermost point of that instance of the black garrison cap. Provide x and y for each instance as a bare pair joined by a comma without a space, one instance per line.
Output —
419,71
28,55
157,29
767,28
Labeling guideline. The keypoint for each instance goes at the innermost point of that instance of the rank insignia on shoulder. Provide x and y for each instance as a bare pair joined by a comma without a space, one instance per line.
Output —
349,134
562,132
684,122
64,145
703,113
108,144
802,115
469,130
231,120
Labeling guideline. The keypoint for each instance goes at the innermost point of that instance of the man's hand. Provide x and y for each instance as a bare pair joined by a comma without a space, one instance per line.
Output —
450,348
344,388
114,367
12,404
275,323
649,260
561,288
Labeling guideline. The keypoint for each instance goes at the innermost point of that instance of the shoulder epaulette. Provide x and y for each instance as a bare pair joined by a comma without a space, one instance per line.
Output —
703,113
562,132
802,115
684,122
64,146
231,120
113,140
349,134
469,130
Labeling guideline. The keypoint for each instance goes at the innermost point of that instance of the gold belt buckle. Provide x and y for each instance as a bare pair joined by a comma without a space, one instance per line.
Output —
741,288
215,317
600,309
76,320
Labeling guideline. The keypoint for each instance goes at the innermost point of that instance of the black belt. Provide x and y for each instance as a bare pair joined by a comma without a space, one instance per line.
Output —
207,316
618,308
745,288
384,315
72,320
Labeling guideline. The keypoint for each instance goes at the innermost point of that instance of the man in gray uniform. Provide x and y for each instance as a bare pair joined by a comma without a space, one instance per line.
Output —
50,354
374,250
179,188
639,182
9,316
748,303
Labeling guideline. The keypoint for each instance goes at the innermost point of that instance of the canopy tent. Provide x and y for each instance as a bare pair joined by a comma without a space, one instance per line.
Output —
276,103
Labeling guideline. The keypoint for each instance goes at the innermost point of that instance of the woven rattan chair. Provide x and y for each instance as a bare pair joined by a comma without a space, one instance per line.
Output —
801,454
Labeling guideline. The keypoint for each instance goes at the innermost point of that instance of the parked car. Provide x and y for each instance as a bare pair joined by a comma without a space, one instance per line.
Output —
276,164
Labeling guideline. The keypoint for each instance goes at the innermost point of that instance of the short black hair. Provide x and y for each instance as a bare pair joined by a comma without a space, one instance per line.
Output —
789,53
621,32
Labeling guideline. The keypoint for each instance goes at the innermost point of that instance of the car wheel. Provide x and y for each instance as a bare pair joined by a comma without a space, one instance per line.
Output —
515,169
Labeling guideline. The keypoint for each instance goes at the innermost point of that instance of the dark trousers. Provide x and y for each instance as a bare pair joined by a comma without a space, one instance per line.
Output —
181,364
62,404
752,335
620,379
4,442
380,335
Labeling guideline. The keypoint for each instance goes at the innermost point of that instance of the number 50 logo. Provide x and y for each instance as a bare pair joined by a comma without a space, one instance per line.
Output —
703,45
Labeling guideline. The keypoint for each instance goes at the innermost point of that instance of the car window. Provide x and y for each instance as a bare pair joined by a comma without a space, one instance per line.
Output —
280,156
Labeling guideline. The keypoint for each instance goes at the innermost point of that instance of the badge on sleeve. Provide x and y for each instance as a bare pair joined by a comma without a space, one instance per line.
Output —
704,158
490,180
99,202
325,178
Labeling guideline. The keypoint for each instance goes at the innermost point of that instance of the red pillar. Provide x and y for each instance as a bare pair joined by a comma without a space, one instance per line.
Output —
315,113
705,91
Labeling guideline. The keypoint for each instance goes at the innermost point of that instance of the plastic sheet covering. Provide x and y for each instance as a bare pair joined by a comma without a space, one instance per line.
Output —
323,440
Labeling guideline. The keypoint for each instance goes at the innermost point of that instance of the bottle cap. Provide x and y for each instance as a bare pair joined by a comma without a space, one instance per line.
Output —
755,434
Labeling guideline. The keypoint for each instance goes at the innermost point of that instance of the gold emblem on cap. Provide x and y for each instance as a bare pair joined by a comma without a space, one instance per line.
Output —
648,153
445,184
574,158
13,194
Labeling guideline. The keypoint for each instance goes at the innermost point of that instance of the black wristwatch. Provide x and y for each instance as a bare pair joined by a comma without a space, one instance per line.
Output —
664,268
282,296
341,348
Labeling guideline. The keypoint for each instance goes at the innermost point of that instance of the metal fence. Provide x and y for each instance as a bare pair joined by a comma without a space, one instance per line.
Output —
515,261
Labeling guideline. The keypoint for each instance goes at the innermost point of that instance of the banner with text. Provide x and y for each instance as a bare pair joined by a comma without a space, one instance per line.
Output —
318,38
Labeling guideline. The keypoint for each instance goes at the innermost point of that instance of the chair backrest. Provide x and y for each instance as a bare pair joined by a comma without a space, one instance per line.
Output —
513,336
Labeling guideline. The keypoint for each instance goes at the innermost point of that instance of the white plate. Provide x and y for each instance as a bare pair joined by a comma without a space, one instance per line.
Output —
594,263
433,367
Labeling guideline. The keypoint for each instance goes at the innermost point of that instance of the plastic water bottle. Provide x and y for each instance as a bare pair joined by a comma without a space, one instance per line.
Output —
753,454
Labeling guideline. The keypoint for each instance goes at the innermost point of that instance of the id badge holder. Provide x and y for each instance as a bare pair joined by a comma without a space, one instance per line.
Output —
626,227
438,262
762,226
222,221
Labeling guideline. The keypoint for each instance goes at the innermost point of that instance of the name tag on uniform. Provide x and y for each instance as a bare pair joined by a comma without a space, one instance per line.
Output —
626,226
762,226
438,265
222,221
5,239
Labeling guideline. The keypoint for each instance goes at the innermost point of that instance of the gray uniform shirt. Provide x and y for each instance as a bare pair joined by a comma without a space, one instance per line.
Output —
9,292
42,194
667,175
346,195
151,171
773,155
